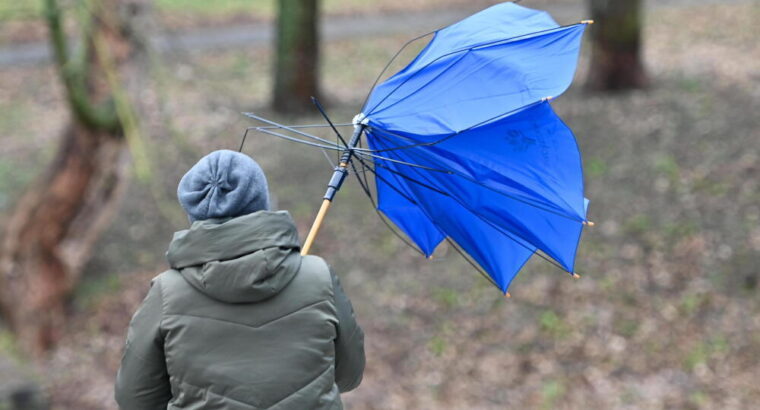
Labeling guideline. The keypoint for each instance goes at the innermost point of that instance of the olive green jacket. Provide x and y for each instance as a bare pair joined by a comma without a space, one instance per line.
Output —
241,321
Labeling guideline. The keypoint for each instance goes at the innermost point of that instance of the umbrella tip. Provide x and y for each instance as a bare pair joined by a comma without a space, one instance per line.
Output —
430,257
589,223
576,276
508,295
587,21
549,98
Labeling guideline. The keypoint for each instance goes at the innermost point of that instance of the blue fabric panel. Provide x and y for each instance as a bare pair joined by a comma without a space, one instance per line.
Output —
531,156
496,23
521,174
500,253
474,86
394,202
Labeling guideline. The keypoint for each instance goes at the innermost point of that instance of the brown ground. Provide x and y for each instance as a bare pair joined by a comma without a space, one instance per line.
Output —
667,314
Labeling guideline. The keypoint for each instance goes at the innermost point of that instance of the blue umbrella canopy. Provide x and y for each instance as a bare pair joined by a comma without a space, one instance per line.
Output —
465,146
469,148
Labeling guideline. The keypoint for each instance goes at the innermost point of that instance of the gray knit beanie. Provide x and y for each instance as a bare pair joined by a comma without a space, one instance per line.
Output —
223,184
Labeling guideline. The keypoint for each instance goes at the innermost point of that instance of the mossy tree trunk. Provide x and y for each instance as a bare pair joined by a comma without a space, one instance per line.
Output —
616,36
297,55
51,231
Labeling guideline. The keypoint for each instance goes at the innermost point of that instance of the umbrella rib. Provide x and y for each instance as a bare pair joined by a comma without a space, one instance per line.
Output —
387,65
364,168
538,205
407,242
365,188
501,230
453,134
242,141
327,156
524,201
398,191
420,87
368,193
404,195
504,231
343,124
300,141
498,228
512,236
329,122
408,178
472,263
482,45
291,129
409,164
479,269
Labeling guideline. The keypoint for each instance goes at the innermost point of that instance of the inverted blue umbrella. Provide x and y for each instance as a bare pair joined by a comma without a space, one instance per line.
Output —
465,146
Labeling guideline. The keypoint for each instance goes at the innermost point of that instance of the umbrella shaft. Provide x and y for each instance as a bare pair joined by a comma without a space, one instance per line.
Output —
339,175
315,227
341,171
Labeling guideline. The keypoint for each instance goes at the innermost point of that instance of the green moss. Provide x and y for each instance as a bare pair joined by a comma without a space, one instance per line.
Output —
666,164
92,289
629,396
696,356
691,302
449,298
437,345
13,178
551,392
551,323
626,327
13,115
595,167
704,351
699,398
690,84
637,224
711,187
8,344
680,229
606,283
20,10
219,8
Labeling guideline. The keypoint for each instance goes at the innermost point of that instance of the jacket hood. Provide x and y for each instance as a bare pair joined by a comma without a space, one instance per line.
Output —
240,260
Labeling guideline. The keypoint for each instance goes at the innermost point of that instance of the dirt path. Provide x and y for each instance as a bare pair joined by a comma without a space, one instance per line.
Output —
334,28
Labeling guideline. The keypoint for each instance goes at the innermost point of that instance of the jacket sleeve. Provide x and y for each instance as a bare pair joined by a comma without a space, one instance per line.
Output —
143,382
349,345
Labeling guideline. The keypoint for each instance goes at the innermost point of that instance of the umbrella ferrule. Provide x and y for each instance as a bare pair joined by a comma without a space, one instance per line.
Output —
360,119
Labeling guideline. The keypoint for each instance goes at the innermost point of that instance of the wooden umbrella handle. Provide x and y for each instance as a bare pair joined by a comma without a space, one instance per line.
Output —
315,226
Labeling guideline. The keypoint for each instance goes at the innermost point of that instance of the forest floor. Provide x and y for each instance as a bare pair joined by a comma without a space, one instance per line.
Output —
666,315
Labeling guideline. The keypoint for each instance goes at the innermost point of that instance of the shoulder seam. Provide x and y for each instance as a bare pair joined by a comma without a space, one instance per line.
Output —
162,299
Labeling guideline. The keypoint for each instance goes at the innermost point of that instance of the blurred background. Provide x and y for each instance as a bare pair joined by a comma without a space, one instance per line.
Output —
104,104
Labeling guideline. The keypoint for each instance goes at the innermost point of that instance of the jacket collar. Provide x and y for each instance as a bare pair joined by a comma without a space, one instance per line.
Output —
219,240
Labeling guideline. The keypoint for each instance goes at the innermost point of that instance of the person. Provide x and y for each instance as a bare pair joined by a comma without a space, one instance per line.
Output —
241,320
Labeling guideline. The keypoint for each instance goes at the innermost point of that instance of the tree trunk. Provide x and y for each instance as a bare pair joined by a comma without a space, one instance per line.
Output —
50,233
616,35
296,68
54,225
